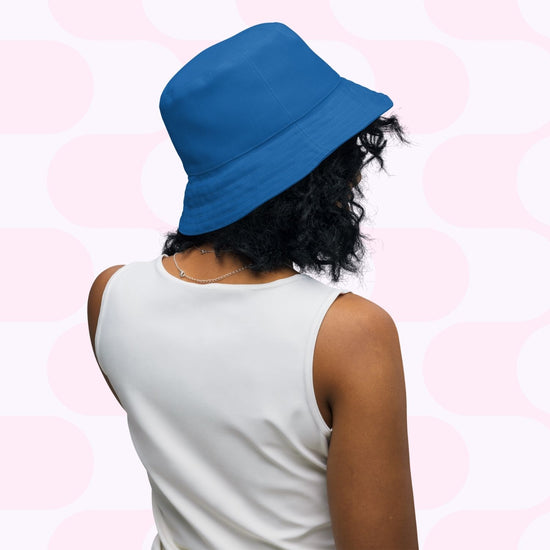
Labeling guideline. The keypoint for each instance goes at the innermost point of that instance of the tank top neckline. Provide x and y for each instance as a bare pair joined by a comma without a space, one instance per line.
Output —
236,286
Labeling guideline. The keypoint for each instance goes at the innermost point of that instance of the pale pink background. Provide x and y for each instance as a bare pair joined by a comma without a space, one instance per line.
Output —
461,262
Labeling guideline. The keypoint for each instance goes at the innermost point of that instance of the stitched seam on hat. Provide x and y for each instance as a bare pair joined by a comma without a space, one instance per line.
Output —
294,122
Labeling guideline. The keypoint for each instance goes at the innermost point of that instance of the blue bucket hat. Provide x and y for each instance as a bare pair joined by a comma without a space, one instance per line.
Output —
252,115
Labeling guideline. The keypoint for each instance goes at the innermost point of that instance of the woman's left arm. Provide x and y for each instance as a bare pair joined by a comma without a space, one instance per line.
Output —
94,305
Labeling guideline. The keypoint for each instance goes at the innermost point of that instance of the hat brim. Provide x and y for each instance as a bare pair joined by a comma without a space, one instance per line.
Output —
275,165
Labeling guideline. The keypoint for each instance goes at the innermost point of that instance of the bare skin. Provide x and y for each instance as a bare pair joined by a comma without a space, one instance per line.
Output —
360,390
358,372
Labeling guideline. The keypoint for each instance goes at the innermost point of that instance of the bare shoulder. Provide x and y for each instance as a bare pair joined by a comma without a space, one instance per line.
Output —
368,470
353,326
351,310
95,296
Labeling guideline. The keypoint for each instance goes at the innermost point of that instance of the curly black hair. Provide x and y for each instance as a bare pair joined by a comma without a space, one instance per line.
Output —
315,223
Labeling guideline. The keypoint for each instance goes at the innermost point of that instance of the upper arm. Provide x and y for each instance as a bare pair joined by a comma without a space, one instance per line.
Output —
94,306
368,471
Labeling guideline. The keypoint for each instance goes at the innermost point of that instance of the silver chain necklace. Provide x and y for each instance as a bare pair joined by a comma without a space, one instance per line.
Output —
204,281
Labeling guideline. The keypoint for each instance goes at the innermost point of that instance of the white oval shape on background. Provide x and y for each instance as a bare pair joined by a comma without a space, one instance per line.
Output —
377,20
509,271
190,20
537,15
129,76
509,86
537,534
163,182
500,448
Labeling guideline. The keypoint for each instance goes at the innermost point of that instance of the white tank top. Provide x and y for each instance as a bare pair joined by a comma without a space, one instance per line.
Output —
217,384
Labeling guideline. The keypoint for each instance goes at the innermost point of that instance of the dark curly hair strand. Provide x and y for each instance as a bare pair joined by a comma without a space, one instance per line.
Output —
315,223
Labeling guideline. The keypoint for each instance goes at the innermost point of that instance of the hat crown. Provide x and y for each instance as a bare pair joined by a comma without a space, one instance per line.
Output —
239,93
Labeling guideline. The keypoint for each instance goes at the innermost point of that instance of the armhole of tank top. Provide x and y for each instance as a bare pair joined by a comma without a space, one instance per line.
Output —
102,308
310,350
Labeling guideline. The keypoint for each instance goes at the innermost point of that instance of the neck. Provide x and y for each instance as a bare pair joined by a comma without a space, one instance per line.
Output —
208,266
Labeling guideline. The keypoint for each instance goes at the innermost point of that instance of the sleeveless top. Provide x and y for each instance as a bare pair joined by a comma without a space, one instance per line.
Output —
216,381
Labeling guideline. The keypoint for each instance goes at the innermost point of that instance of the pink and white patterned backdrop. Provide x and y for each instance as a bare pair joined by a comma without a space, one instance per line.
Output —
462,261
